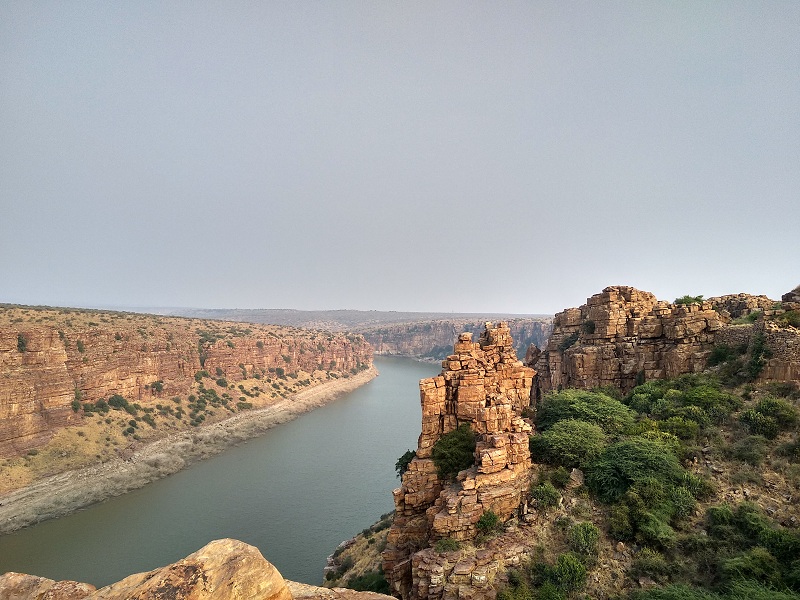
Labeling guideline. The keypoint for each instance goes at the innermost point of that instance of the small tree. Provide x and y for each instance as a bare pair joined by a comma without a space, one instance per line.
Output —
401,466
454,452
22,343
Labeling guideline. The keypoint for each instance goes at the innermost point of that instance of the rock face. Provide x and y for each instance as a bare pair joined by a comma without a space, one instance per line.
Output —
222,570
433,339
623,336
49,358
485,386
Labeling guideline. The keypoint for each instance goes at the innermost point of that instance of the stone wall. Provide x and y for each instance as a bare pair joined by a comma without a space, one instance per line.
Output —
485,386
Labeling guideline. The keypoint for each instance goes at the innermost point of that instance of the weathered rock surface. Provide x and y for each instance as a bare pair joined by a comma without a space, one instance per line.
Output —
624,335
485,386
434,339
221,570
48,357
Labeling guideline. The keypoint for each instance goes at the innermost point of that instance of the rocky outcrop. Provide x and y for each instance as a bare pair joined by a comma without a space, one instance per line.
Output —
221,570
49,358
484,386
624,336
433,339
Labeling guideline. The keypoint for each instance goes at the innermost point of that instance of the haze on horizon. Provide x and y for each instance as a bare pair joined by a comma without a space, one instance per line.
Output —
511,157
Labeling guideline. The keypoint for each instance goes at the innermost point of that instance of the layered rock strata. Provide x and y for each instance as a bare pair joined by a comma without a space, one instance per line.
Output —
624,336
49,358
485,386
222,570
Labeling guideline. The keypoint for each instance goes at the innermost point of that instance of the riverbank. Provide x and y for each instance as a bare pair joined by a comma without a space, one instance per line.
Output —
69,491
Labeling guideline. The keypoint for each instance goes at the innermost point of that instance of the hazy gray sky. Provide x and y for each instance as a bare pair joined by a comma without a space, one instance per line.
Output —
451,156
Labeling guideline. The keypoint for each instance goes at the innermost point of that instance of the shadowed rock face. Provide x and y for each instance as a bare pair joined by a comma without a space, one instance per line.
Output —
485,386
222,570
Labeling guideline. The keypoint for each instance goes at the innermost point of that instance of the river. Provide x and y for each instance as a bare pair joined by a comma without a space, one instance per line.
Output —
295,493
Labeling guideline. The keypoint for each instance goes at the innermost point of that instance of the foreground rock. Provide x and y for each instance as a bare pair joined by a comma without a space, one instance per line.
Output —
485,386
222,570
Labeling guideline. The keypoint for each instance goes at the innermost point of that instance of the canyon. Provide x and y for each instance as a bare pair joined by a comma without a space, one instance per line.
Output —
436,547
121,378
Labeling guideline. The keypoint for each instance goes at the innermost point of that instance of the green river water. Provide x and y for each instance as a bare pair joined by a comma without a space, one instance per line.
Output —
296,492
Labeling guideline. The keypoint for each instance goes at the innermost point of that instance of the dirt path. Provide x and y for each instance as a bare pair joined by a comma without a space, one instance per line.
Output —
61,494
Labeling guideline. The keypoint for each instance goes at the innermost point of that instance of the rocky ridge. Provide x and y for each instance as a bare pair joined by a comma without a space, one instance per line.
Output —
623,336
485,386
221,570
53,362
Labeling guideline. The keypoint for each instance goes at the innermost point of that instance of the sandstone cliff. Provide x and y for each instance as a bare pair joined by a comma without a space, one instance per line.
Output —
60,367
484,386
221,570
433,339
623,336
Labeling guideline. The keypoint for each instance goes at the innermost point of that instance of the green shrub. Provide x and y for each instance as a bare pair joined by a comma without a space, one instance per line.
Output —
560,477
454,452
680,427
747,319
650,563
790,317
582,405
489,522
781,410
760,424
570,443
626,462
76,405
751,450
619,522
569,573
81,347
545,495
401,466
222,382
371,581
756,565
446,545
722,353
244,405
22,343
686,300
568,341
583,538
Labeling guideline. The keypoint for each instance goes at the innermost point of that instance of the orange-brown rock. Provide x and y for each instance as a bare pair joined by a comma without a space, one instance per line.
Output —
50,357
485,386
221,570
623,336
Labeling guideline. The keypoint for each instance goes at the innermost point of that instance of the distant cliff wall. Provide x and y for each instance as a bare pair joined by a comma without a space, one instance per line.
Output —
49,358
434,339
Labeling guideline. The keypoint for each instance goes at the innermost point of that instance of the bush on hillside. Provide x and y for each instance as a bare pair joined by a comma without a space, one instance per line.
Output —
622,464
454,452
582,405
570,443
